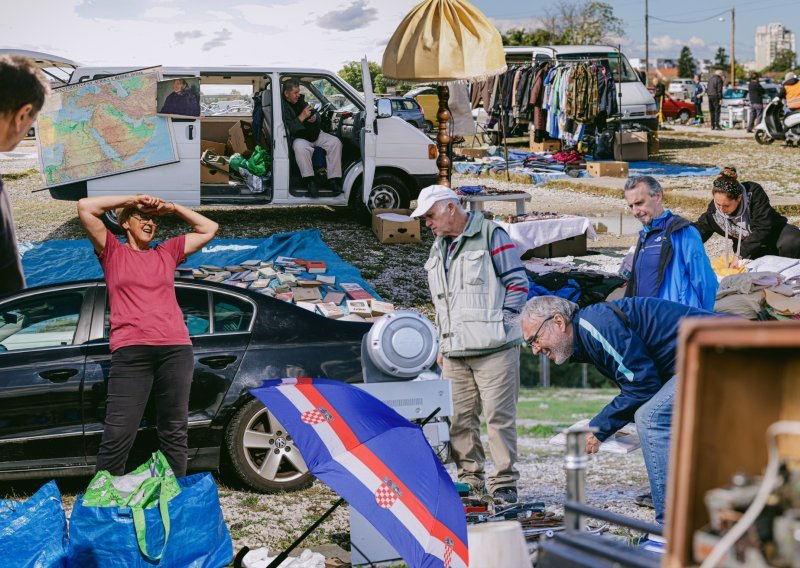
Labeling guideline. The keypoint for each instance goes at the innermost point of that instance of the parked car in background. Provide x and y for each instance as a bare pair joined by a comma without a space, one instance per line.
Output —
55,359
409,110
674,109
681,88
428,100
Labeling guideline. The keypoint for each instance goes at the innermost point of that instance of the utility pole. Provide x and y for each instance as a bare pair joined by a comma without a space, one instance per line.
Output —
646,44
733,44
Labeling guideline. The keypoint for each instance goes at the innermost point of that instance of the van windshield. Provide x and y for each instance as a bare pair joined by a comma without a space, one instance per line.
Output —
616,63
324,91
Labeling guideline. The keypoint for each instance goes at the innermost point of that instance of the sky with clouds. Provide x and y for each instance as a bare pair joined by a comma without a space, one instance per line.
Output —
328,33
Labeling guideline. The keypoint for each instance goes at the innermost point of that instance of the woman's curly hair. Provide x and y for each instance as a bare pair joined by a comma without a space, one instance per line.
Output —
727,182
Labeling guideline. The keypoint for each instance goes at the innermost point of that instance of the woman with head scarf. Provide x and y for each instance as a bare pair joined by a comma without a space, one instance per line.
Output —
741,212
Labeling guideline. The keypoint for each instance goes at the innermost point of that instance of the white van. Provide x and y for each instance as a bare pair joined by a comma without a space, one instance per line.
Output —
638,105
380,151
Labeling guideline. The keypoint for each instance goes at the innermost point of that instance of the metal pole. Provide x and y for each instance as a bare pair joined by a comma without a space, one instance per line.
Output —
646,44
503,125
575,465
733,46
585,375
544,370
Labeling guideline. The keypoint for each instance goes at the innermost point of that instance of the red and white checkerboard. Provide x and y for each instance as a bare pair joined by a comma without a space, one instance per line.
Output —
313,417
448,552
385,496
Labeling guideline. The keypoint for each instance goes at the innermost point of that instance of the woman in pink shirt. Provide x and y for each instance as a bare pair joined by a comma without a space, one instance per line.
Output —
150,345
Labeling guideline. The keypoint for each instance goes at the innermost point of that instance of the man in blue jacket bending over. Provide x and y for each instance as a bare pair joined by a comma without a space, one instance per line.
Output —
670,261
632,342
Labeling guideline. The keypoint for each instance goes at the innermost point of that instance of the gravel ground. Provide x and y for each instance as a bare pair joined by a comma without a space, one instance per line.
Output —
396,273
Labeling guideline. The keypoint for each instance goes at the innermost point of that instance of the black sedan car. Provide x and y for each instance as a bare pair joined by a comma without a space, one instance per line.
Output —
55,358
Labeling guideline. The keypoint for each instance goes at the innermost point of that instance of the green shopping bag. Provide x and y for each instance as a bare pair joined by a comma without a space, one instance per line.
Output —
151,484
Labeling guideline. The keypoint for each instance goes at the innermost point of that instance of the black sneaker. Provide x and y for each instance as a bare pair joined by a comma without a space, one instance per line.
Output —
505,495
335,185
311,186
645,500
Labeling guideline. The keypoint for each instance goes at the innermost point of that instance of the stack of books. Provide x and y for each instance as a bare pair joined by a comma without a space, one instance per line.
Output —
298,281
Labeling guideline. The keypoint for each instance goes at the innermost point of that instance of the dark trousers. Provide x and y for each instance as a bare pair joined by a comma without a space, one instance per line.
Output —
136,371
714,110
698,110
756,110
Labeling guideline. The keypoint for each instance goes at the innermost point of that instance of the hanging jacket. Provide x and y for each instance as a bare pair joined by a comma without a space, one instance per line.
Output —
639,356
683,273
762,224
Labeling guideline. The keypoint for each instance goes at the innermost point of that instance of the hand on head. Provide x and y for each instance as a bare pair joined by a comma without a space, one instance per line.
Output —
153,205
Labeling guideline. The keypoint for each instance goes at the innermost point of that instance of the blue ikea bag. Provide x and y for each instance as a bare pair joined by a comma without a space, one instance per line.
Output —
187,531
33,533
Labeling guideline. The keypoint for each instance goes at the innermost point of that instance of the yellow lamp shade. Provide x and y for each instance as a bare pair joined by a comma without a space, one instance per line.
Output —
444,40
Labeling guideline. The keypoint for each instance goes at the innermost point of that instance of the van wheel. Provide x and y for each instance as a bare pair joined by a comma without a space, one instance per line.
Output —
684,116
109,219
388,192
262,454
428,126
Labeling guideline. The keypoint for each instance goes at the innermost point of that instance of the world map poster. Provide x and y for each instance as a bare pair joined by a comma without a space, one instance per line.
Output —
103,127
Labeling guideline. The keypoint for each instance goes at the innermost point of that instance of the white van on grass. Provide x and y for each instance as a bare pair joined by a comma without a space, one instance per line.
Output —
381,152
638,105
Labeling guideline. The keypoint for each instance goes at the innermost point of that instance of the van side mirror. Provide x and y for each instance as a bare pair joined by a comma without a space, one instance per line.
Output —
384,108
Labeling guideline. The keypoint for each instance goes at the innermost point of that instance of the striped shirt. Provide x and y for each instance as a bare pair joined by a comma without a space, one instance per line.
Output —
507,266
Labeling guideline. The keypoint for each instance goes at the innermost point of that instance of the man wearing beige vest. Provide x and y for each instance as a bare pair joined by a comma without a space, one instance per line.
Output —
478,286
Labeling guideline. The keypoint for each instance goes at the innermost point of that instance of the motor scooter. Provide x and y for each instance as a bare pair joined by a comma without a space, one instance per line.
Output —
775,126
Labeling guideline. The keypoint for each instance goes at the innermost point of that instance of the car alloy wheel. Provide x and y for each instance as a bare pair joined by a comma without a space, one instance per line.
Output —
263,454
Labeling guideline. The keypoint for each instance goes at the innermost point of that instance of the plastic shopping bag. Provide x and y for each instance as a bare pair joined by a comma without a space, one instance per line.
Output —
33,533
163,521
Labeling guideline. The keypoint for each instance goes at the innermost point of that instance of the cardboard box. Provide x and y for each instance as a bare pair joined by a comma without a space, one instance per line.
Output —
391,232
630,146
208,175
607,169
546,146
240,138
573,246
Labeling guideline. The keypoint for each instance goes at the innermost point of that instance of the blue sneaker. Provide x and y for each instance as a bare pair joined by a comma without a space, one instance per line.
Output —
653,543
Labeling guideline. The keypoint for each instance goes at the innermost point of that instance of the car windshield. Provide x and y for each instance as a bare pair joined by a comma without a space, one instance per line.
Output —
734,94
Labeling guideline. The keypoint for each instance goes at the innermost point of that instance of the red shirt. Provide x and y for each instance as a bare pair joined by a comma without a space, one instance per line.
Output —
141,292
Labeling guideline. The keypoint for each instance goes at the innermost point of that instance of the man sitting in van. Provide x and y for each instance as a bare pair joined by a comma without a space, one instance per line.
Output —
303,124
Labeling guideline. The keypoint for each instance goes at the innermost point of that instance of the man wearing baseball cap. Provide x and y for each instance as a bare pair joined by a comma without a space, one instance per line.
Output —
478,286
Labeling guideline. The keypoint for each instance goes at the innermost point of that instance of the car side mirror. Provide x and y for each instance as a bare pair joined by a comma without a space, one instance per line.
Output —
384,108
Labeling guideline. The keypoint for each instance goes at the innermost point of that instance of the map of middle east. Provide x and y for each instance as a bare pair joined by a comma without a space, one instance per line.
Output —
103,127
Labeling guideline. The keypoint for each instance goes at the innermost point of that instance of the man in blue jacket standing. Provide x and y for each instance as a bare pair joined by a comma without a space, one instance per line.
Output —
632,342
670,261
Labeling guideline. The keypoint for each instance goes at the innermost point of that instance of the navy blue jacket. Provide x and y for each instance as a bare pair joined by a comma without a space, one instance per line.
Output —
639,357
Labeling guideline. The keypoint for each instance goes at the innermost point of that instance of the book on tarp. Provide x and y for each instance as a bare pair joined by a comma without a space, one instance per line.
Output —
306,294
330,310
623,441
380,308
333,298
326,279
316,267
355,291
359,308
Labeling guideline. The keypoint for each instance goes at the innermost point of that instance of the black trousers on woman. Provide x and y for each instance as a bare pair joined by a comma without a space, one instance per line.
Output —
136,371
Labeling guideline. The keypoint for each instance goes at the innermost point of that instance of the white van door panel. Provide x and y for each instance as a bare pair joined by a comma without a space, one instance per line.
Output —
178,181
368,135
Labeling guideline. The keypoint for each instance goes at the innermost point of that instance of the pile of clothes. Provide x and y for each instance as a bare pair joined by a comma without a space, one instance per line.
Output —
767,288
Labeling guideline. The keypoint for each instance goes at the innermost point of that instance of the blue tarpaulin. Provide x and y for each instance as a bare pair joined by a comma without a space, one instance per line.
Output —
64,261
545,169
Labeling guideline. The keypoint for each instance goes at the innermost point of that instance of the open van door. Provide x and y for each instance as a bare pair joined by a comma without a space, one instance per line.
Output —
368,134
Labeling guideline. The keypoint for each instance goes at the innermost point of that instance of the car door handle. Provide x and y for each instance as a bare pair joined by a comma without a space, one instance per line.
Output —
218,362
190,132
58,375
